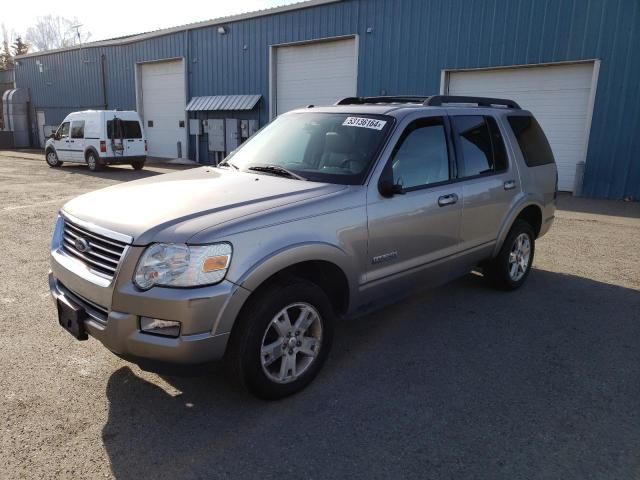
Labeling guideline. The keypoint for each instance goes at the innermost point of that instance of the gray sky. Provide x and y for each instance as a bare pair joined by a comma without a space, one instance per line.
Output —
114,18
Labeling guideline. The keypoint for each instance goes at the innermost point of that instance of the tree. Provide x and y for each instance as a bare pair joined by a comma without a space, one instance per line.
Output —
52,32
20,47
6,58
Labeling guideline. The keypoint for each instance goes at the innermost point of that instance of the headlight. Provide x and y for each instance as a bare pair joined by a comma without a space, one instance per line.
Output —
180,265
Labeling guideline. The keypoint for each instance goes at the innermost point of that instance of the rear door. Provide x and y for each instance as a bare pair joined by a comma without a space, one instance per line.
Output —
134,143
76,141
411,231
489,182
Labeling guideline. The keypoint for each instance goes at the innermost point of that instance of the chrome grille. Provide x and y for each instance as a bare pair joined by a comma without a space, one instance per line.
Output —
103,254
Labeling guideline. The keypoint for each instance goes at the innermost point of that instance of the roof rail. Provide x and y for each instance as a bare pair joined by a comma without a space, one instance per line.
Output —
438,100
432,101
381,99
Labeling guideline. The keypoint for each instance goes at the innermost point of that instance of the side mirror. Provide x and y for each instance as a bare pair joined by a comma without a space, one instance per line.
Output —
388,189
52,135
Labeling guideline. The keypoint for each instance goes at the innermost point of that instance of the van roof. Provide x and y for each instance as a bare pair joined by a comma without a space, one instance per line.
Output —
124,113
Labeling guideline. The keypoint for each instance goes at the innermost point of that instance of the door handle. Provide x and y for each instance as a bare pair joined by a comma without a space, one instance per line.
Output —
447,199
509,184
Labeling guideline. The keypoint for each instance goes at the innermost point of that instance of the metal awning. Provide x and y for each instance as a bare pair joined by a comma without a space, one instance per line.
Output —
223,102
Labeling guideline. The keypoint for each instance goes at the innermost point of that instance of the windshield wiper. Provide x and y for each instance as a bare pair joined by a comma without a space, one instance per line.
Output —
226,163
276,170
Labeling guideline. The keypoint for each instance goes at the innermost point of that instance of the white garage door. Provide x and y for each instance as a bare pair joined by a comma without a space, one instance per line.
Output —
558,96
315,73
163,108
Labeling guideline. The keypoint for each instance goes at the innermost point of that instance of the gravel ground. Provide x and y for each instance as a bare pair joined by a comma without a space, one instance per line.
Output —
457,382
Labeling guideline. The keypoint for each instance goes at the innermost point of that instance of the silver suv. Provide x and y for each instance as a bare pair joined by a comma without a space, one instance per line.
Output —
325,213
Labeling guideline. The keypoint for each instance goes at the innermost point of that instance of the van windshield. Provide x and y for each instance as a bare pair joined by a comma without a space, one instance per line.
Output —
322,147
123,129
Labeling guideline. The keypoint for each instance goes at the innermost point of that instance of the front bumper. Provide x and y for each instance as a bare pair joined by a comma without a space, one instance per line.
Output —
206,315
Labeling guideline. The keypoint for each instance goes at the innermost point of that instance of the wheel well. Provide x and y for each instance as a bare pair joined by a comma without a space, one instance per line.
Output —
328,276
90,150
533,216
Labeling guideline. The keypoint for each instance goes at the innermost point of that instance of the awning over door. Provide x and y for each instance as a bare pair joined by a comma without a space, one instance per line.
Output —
223,102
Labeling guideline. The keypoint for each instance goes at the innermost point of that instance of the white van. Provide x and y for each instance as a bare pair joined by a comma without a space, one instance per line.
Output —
98,138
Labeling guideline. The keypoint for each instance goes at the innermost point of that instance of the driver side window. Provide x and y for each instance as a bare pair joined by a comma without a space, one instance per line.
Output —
421,157
63,131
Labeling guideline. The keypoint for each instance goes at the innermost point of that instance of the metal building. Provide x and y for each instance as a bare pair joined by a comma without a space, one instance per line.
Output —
574,63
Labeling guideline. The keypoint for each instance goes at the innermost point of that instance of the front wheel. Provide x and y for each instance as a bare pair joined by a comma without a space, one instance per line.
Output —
511,267
94,162
281,340
52,159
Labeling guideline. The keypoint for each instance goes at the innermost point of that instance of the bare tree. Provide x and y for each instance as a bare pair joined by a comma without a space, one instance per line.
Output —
52,32
6,58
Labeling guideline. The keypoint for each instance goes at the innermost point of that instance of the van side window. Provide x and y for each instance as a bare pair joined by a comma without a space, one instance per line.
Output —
77,129
421,157
480,144
533,143
63,131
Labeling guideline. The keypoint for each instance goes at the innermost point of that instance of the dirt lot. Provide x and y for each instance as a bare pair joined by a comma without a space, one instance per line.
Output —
458,382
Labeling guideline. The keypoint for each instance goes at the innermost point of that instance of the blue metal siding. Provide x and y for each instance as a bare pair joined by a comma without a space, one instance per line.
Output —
411,43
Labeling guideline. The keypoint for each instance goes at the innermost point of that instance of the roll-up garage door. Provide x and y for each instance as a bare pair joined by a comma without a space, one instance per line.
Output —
558,95
316,73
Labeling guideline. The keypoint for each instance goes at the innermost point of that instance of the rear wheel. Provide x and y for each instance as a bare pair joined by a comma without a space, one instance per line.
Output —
281,340
137,164
94,163
52,159
511,267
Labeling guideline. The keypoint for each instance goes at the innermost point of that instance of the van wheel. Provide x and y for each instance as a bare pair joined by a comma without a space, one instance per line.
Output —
94,162
52,159
281,339
137,164
511,267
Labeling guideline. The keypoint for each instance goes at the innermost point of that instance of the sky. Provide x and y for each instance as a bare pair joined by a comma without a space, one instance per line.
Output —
114,18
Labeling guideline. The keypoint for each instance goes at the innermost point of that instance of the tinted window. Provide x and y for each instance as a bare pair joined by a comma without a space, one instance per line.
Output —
500,161
77,129
475,143
533,143
123,129
323,147
421,157
63,131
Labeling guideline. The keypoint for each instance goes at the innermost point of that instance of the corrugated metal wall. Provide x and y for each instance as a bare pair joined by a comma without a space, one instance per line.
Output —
410,43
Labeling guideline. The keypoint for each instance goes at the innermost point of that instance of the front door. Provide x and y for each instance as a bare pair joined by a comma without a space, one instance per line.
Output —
413,230
61,142
76,142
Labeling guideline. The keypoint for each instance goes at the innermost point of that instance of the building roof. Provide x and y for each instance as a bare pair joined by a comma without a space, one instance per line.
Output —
223,102
190,26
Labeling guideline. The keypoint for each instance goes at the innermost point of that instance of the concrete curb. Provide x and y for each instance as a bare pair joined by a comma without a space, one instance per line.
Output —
39,156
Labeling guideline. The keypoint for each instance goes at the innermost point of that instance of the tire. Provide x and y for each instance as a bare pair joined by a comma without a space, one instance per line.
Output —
51,157
511,267
137,164
94,163
270,373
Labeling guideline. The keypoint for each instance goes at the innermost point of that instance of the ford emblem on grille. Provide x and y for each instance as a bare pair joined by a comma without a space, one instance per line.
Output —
82,245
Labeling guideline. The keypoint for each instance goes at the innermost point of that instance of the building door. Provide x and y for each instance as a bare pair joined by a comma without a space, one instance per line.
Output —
163,108
559,96
41,123
316,73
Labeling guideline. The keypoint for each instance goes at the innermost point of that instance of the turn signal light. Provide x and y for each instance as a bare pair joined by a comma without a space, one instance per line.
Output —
213,264
103,146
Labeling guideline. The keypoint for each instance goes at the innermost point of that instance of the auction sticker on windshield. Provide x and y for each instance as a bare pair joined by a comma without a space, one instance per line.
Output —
364,123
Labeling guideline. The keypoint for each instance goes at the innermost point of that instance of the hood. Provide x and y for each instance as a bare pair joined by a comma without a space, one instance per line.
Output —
144,208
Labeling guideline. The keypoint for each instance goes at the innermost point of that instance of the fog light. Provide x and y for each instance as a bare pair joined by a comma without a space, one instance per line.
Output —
168,328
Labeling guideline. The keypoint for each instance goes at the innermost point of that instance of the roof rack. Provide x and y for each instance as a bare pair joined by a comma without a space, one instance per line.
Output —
432,101
438,100
381,99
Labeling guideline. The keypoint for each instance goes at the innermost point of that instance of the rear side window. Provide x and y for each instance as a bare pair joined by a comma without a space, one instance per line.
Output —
123,129
480,144
77,129
532,140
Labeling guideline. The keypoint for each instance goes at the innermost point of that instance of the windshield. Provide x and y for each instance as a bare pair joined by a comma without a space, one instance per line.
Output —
321,147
